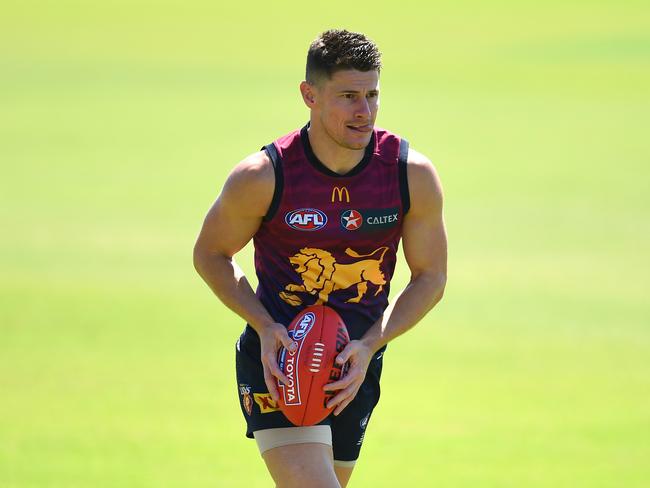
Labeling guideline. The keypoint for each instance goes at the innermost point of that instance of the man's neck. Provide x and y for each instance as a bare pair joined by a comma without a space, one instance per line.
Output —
334,157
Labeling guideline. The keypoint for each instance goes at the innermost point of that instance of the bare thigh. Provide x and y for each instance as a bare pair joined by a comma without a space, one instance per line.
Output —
301,465
343,475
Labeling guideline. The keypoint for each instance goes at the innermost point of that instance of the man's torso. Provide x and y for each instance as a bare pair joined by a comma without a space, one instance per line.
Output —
332,238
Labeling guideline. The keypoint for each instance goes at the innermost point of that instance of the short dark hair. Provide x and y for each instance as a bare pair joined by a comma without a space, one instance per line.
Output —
335,50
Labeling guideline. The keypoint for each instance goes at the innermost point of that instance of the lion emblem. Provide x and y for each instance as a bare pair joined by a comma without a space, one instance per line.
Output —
321,274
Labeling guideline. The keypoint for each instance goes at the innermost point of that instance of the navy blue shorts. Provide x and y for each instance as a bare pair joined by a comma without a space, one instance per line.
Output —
260,412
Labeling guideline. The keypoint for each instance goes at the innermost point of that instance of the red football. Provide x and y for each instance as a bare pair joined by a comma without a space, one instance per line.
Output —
321,335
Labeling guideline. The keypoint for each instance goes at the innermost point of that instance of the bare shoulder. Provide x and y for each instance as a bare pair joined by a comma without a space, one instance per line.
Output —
252,181
254,172
424,183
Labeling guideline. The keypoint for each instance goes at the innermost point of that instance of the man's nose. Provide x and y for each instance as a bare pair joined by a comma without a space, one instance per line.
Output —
363,109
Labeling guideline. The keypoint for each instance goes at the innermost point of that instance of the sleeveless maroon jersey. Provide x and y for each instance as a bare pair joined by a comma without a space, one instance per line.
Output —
330,238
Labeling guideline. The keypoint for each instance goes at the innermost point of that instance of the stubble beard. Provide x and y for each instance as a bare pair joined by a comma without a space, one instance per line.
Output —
343,144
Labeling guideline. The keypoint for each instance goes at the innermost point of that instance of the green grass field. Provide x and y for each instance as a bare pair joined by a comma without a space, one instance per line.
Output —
118,123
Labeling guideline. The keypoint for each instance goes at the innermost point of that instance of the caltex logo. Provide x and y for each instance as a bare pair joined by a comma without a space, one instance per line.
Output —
351,220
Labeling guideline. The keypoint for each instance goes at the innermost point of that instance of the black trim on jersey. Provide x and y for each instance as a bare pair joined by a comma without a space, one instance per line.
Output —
276,161
403,175
316,163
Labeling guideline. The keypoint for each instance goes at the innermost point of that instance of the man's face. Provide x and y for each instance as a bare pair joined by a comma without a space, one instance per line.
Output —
346,107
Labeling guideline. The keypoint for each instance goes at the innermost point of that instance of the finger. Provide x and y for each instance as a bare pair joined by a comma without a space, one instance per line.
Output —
342,406
353,375
339,385
274,369
350,391
271,386
345,354
344,395
288,343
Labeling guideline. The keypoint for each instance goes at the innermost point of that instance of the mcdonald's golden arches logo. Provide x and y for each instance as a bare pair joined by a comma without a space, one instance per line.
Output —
339,192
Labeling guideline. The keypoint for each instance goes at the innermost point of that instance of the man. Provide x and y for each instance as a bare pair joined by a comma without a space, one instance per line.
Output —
326,207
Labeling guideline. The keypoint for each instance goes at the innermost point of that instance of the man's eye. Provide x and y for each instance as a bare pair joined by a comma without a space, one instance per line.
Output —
348,96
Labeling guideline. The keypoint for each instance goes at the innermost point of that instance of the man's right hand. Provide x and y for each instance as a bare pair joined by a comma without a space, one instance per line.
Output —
272,338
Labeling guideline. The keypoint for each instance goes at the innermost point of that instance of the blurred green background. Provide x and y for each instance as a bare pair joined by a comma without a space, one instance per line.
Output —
118,123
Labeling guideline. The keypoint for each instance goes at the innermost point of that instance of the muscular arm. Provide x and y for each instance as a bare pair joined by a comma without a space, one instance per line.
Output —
229,225
425,248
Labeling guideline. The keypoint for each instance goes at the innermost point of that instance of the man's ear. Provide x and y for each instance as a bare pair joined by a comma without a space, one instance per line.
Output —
308,93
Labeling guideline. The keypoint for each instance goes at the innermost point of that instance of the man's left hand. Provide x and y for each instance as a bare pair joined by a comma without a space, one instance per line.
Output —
358,355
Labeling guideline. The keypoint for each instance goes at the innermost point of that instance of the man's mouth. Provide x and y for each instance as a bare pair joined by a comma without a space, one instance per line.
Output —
360,128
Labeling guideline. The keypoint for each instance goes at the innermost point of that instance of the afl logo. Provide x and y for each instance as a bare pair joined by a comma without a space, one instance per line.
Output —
351,220
304,326
307,219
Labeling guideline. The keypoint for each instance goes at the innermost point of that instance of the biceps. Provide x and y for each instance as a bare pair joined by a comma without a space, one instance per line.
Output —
425,244
226,229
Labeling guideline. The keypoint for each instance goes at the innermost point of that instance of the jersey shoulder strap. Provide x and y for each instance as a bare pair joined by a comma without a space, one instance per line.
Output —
276,161
403,175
